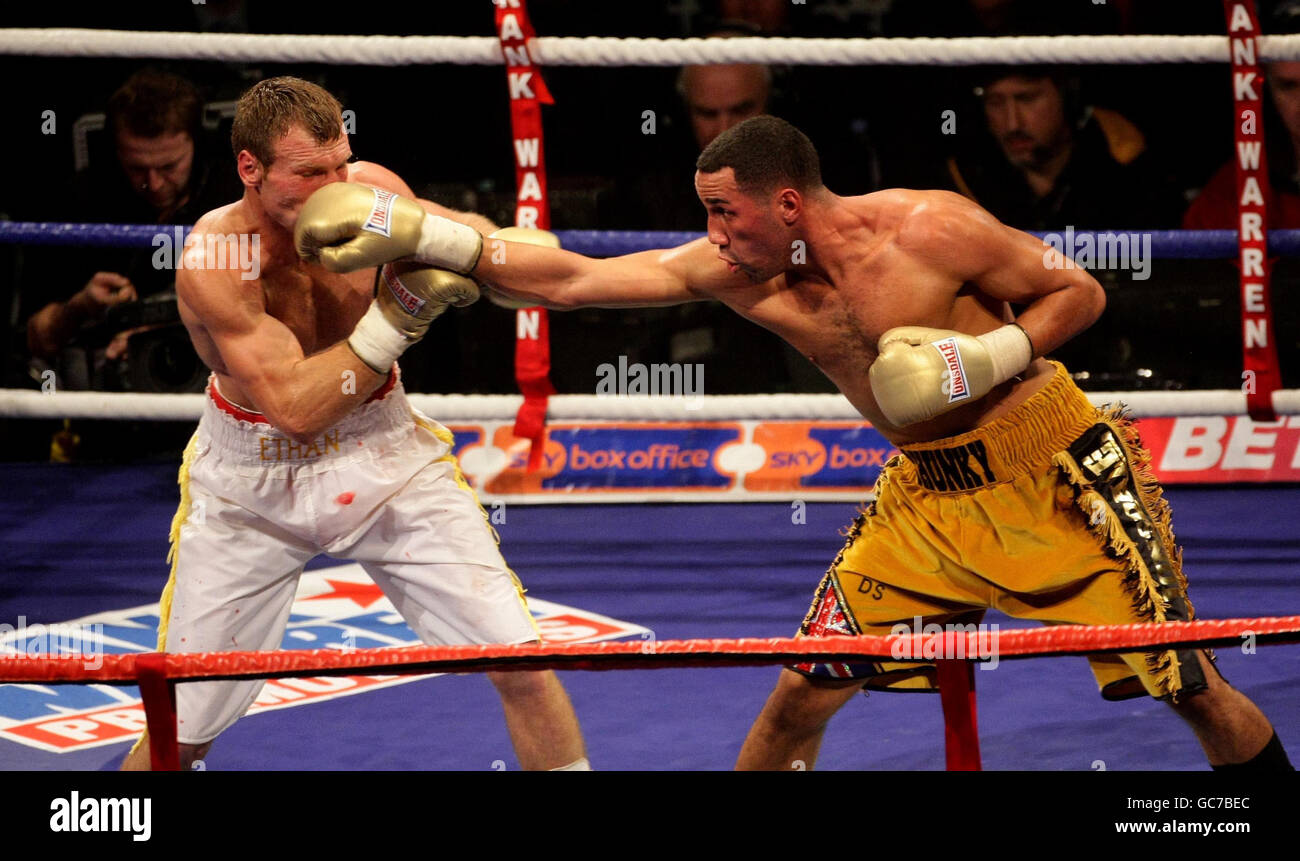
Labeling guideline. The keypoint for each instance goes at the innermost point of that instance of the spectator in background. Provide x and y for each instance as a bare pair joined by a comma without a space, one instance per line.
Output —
106,318
1216,206
718,97
949,18
161,174
713,98
1049,161
657,194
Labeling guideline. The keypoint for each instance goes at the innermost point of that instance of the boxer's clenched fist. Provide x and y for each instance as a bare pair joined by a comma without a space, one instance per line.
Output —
346,226
409,298
921,373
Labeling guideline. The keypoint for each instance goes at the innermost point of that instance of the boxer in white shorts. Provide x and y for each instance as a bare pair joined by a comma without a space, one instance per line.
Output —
307,444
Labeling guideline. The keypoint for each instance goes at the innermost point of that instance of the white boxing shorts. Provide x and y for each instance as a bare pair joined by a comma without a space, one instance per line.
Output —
381,487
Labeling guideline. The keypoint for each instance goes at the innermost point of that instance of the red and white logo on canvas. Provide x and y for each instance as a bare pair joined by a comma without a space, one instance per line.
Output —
335,608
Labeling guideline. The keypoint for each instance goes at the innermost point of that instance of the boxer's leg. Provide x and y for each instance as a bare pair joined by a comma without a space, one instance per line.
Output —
449,581
231,588
1231,729
1136,576
542,724
139,758
887,574
788,732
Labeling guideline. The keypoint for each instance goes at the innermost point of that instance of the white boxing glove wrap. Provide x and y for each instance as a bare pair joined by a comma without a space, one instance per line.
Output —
1010,350
376,341
448,244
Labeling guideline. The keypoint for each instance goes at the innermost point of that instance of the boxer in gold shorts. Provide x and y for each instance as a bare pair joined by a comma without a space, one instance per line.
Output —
1011,490
1056,518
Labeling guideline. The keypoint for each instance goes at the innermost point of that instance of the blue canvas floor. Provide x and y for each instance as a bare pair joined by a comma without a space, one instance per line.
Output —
82,540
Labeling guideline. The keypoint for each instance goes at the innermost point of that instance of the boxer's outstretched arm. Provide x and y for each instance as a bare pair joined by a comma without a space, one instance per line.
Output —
1010,265
559,279
299,395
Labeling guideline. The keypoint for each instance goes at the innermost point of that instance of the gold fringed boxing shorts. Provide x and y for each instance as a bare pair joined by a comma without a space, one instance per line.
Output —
1049,512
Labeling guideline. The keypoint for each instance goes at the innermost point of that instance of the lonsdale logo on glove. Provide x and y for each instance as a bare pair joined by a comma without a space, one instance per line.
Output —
911,384
954,381
404,297
381,215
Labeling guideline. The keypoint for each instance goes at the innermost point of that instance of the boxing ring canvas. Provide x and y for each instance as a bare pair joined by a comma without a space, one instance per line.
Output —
83,541
84,547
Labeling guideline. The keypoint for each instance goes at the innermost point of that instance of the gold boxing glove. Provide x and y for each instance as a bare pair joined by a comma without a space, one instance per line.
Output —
921,373
346,226
409,298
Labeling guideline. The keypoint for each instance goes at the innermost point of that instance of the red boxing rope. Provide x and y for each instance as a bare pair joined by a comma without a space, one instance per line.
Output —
528,93
158,674
413,660
1261,376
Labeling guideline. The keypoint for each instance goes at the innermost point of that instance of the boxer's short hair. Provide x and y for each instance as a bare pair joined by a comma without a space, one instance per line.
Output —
766,153
152,103
271,107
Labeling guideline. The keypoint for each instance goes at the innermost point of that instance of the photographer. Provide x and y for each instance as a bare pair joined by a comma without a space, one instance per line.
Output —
106,318
116,330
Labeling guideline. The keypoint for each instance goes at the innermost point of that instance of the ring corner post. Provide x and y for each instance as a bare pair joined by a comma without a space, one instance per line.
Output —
159,696
956,678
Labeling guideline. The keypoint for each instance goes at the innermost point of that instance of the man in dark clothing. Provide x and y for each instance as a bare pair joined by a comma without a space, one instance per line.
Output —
162,174
1049,162
105,318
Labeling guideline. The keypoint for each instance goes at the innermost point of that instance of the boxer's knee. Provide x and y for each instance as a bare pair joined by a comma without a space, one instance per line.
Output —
1205,691
802,704
522,683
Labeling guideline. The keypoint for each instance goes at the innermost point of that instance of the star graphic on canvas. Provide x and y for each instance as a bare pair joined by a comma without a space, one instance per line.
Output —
364,594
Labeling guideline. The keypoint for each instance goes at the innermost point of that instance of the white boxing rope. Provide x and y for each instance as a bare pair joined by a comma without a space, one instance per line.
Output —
612,51
23,403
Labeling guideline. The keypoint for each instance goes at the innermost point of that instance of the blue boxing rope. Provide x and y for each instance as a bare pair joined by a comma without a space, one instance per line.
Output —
1165,244
93,235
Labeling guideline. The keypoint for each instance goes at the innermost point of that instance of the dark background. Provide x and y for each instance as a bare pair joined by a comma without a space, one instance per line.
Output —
446,130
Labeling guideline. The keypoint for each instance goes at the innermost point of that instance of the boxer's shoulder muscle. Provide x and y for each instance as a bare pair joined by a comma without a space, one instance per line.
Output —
213,288
210,296
936,242
378,176
947,230
212,301
921,219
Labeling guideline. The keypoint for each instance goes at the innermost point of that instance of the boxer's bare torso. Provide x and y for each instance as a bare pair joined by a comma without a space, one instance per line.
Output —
877,281
320,308
867,264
